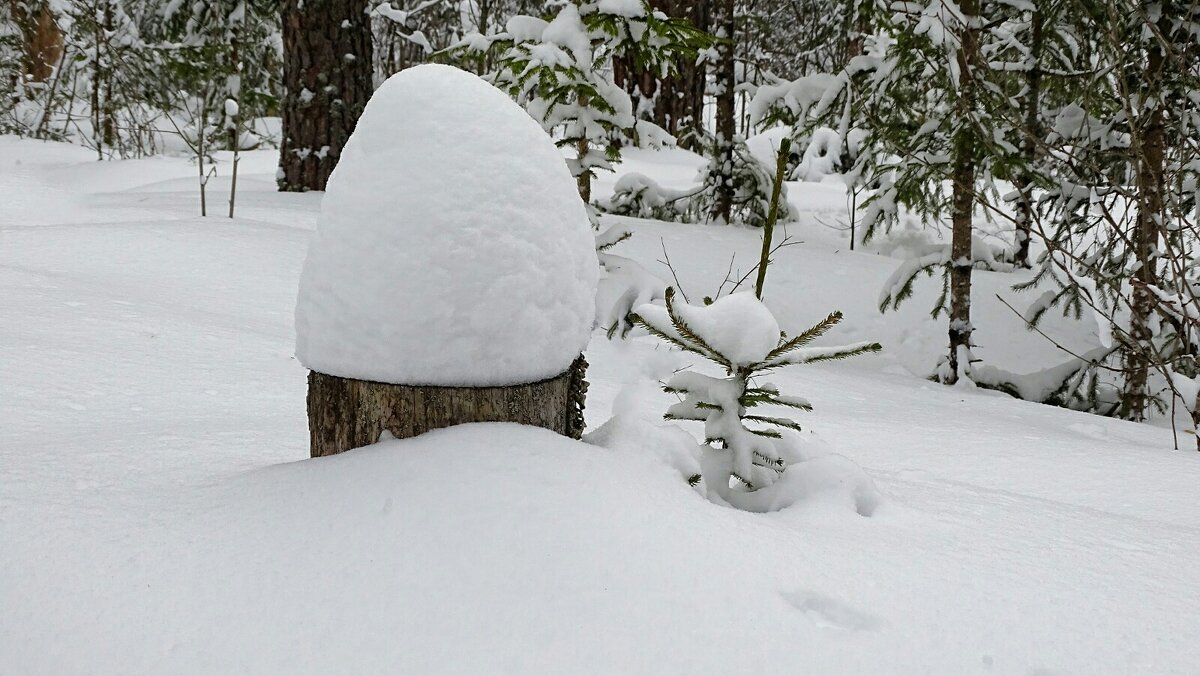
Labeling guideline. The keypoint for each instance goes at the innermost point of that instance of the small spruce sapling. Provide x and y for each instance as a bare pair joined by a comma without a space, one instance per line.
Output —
738,333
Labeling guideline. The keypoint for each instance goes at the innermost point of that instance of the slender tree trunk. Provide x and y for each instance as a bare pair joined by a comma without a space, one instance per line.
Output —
235,79
235,121
1149,146
1031,106
582,147
109,122
97,81
963,199
327,77
726,113
584,180
201,150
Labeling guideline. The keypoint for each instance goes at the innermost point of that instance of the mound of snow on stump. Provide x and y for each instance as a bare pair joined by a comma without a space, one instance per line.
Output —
452,247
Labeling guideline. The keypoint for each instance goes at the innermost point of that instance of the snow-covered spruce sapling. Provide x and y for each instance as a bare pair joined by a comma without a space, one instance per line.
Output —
739,334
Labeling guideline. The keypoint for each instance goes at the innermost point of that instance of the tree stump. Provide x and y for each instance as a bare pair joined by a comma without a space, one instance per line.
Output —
345,413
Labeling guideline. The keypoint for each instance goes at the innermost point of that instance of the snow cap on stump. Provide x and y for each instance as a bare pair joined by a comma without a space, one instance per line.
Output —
452,247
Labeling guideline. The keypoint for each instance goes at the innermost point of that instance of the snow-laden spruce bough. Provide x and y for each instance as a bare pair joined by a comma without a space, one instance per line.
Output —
739,334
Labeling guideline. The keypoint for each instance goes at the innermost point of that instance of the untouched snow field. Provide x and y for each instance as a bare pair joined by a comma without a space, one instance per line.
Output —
158,513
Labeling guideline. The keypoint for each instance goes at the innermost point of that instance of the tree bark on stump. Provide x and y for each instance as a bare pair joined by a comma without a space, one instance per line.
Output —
345,413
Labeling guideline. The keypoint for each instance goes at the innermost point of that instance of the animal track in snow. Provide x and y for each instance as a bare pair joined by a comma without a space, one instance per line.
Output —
829,613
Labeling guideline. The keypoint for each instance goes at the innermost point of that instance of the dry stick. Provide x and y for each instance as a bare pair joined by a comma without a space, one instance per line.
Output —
728,276
853,214
786,241
1055,342
667,262
772,215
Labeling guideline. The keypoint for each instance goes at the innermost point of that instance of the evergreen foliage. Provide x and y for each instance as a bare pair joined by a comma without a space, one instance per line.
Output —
753,184
1118,217
556,70
132,72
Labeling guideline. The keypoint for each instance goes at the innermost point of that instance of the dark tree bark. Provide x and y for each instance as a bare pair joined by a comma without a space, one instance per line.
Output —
344,413
963,198
41,40
1029,144
678,100
327,66
858,28
1149,140
726,114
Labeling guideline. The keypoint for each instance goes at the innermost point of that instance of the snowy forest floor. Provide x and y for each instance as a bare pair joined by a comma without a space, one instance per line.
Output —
158,513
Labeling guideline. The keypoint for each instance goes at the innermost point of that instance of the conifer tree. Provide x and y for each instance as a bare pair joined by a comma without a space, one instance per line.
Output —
1120,220
746,351
931,112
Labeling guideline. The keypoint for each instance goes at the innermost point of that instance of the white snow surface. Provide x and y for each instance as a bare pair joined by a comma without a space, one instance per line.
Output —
452,247
158,513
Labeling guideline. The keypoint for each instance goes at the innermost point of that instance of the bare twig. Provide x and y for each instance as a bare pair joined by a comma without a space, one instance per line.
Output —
666,260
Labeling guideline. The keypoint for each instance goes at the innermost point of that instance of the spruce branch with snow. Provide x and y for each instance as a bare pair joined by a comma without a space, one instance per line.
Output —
753,189
739,334
624,284
1118,217
557,70
927,100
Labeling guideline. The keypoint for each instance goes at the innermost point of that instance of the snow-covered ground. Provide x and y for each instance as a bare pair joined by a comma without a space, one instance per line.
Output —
158,513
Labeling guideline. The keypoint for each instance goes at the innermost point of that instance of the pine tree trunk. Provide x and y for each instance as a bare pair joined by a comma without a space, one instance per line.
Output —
859,24
1149,145
677,99
726,115
41,40
96,84
235,71
694,83
344,413
1033,133
963,199
327,66
109,114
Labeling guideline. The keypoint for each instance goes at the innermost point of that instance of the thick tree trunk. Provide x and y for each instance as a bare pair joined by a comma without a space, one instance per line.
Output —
344,413
963,199
327,68
859,27
42,41
726,115
1149,144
